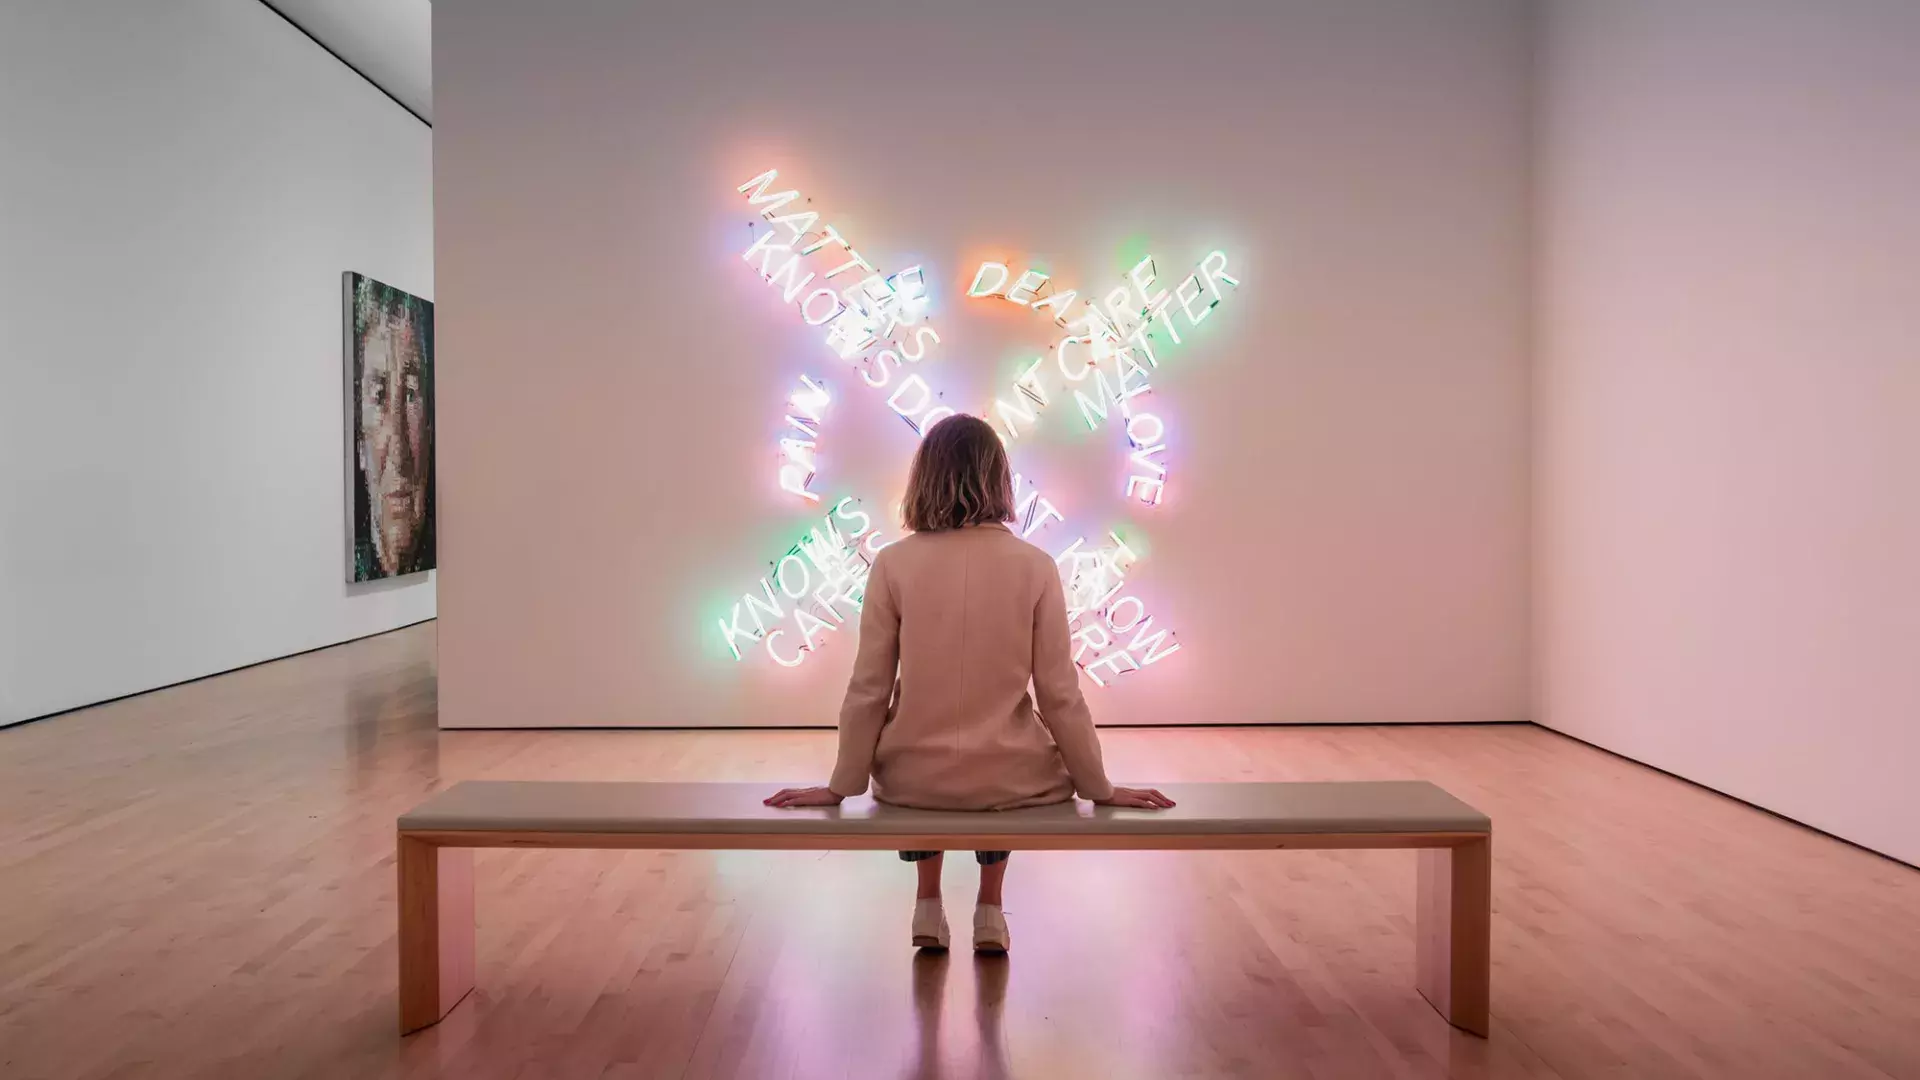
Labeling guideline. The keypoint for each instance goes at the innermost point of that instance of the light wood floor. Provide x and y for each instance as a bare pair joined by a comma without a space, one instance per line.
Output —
200,882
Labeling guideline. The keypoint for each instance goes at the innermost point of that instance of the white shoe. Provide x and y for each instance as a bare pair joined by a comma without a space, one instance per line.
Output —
929,925
990,929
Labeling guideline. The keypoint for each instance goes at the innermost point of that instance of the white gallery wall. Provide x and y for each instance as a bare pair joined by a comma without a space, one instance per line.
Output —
181,186
1729,398
1345,534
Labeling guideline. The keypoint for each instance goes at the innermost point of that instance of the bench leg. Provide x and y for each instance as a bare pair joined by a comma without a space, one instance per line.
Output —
436,931
1455,952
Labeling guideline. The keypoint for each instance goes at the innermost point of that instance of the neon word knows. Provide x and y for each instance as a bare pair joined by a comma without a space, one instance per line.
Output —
803,595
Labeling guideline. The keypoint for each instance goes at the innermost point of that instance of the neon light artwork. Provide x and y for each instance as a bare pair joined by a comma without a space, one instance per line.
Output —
797,462
1100,373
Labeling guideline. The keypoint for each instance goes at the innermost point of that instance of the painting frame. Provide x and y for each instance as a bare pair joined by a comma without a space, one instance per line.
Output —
388,428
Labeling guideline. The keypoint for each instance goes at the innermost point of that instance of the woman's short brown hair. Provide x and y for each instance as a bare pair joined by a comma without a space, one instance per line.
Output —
959,477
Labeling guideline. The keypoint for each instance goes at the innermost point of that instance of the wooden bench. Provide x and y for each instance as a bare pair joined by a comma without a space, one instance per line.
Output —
437,839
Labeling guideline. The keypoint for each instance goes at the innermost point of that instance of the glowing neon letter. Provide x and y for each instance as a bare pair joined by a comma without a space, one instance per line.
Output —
797,656
919,343
810,400
1141,282
1029,283
791,290
1186,302
806,576
730,627
1036,520
1118,303
879,363
1163,314
1068,373
980,276
1143,457
806,306
1139,337
1152,644
771,605
1142,484
828,235
809,624
1027,389
794,477
1097,405
913,382
1214,272
1137,423
840,511
771,203
764,246
1091,636
1058,302
799,230
1139,613
1112,663
824,550
856,260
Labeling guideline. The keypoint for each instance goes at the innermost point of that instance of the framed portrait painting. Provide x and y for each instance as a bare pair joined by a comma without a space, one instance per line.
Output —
389,415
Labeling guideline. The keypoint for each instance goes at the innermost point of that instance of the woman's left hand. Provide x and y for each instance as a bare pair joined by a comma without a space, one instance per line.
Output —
804,796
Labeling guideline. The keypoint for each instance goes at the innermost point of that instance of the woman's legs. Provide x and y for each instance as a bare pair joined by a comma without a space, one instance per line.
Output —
929,864
992,876
929,869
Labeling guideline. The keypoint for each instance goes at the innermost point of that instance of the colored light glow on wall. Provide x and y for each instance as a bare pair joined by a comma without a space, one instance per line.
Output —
877,323
806,406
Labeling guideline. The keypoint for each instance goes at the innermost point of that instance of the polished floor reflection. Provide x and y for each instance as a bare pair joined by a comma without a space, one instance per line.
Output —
199,883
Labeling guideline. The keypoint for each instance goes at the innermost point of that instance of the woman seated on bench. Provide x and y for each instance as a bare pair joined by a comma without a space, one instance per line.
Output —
958,620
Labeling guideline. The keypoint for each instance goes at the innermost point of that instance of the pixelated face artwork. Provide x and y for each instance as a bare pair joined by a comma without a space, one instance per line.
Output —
392,432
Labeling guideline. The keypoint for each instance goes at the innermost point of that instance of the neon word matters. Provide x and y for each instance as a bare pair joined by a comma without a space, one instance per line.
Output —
871,314
797,455
811,592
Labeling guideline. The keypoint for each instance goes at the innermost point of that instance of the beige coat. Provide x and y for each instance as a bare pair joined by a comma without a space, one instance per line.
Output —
954,627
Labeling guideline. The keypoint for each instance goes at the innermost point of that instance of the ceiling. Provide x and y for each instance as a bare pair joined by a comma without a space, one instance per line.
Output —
388,41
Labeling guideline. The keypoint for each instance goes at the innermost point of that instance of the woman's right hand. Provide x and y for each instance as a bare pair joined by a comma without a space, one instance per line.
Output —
1137,798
